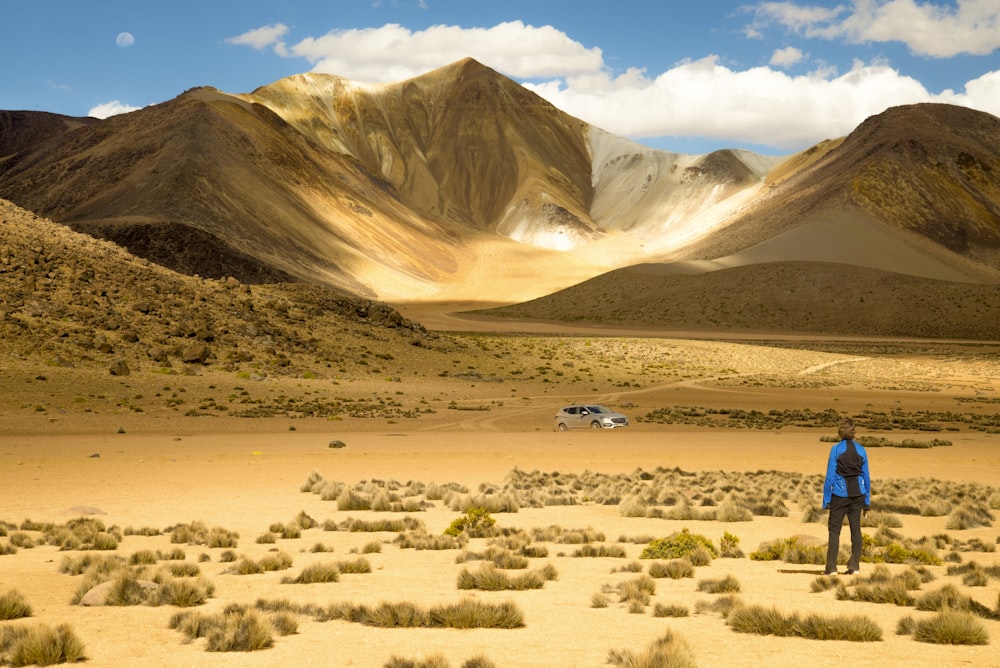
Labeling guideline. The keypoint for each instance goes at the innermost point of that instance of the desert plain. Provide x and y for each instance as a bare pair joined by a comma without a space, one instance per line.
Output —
715,424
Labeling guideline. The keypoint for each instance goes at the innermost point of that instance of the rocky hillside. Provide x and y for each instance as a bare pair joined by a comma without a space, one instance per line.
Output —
67,299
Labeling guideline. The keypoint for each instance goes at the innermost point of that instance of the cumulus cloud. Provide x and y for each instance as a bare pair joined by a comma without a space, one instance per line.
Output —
112,108
393,52
935,29
787,57
704,97
262,38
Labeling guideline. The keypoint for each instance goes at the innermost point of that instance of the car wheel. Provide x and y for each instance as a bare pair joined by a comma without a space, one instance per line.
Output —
595,425
563,427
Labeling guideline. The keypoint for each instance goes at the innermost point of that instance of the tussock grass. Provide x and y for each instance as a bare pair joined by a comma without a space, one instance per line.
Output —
948,597
389,525
489,578
668,651
466,614
790,550
421,540
725,585
198,533
359,565
40,645
13,605
272,561
588,550
236,629
948,627
671,610
314,574
674,569
183,593
556,534
761,620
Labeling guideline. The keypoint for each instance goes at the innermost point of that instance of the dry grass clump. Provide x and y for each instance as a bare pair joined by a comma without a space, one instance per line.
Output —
969,516
760,620
725,585
40,645
371,526
668,651
674,569
790,550
556,534
589,550
489,578
501,558
272,561
315,573
438,661
198,533
466,614
236,629
948,627
13,605
948,597
671,610
183,592
421,540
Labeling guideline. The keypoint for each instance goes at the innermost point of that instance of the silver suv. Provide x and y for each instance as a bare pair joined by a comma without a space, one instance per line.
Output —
589,416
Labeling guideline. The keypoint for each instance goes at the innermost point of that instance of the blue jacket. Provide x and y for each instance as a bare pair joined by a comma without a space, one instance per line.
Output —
835,485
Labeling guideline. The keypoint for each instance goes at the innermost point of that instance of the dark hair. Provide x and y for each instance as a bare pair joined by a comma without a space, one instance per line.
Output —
846,429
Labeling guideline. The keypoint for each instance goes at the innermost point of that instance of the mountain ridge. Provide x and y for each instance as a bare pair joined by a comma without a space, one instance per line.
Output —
461,185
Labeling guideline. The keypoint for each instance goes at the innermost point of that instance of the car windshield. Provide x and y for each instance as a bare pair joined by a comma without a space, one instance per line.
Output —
597,409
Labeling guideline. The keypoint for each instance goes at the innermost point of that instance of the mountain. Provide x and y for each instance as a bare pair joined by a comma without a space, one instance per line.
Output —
398,191
462,186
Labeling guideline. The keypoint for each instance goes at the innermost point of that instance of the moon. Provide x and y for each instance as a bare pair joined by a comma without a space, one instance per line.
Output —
125,40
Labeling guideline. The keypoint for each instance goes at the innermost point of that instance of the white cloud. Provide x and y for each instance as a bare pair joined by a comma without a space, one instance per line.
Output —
112,108
786,57
393,52
935,29
261,38
695,98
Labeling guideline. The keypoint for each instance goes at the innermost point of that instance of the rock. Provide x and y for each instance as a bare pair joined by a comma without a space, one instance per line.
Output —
337,444
120,368
98,595
196,353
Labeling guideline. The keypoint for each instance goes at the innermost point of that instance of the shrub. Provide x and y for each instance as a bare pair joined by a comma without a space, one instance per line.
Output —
951,627
13,605
668,651
729,546
477,523
769,621
948,597
490,578
678,544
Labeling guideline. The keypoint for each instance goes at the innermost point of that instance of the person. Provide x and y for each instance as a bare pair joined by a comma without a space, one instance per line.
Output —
847,492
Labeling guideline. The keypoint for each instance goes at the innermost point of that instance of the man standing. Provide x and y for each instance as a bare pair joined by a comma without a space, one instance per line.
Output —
846,491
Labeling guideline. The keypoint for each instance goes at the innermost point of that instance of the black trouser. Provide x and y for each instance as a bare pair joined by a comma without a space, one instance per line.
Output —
852,507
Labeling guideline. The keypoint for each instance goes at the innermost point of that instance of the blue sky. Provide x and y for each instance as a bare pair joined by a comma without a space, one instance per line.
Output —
775,77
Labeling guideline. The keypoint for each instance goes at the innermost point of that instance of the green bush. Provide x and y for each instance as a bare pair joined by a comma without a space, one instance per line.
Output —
676,545
477,523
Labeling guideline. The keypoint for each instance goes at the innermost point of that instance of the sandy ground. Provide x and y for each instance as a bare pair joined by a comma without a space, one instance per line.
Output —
245,481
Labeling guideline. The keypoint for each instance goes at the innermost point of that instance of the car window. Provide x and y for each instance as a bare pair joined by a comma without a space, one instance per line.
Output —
571,410
595,409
